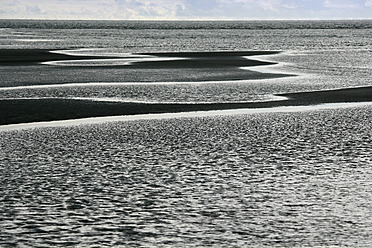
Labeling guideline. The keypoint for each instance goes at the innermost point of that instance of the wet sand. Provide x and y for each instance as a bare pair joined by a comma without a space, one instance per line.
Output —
21,67
24,57
14,111
33,110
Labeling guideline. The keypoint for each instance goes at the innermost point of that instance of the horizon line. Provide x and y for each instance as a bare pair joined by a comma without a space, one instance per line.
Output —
191,20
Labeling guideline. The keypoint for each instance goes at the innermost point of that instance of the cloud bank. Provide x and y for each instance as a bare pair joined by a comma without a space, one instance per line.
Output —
185,9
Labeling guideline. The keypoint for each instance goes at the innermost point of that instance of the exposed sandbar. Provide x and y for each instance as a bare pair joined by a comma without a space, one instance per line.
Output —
22,57
196,67
20,67
33,110
17,57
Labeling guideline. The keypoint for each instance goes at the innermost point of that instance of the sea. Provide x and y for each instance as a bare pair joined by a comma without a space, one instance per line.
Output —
272,178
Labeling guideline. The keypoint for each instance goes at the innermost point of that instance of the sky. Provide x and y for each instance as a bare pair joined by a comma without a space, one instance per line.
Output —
185,9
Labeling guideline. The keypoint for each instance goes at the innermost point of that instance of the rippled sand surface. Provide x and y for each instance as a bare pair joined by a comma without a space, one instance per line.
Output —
273,179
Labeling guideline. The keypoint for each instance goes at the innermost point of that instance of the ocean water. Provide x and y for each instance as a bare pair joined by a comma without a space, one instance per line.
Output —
326,55
289,179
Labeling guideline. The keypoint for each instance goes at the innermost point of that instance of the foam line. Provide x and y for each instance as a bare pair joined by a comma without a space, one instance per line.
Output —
274,68
108,62
270,97
124,84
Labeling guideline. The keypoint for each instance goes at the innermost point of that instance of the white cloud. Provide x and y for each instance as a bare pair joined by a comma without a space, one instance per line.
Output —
90,9
340,4
185,9
270,5
290,6
267,5
368,3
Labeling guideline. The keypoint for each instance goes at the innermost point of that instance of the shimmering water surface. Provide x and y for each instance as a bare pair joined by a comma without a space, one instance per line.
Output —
264,179
296,179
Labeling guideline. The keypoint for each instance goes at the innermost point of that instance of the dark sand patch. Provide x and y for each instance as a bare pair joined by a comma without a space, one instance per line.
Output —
358,94
33,110
207,59
24,65
21,67
22,57
18,57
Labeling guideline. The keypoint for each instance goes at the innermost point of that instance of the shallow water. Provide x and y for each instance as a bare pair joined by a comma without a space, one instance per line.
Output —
327,55
295,179
274,179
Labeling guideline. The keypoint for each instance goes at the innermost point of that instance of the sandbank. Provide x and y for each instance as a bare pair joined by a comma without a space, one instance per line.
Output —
32,110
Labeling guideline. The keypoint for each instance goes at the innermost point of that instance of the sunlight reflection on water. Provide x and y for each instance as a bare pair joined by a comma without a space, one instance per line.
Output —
269,179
